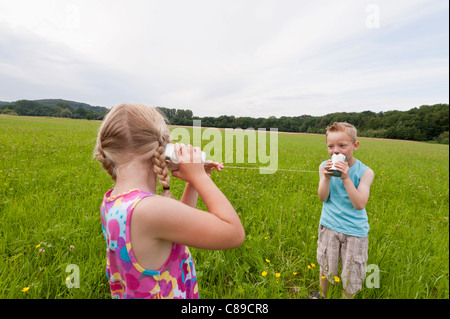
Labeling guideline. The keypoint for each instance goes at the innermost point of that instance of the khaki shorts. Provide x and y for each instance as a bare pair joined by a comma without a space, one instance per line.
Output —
353,253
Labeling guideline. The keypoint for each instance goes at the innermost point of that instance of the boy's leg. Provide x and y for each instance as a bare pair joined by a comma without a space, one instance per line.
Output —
328,249
323,284
354,261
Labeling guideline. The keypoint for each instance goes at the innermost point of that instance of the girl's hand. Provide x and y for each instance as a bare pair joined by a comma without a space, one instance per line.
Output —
189,162
210,166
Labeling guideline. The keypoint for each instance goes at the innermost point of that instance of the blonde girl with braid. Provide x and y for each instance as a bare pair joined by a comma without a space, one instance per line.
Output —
147,235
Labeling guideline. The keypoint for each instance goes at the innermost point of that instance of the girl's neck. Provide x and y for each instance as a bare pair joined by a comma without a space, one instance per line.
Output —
135,176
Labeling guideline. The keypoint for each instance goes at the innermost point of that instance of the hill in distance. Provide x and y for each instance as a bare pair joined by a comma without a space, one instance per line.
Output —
73,104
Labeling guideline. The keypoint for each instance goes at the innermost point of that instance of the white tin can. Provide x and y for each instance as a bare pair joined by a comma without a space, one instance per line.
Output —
337,158
171,157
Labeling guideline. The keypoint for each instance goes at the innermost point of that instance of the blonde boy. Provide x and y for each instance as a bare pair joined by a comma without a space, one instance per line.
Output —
343,229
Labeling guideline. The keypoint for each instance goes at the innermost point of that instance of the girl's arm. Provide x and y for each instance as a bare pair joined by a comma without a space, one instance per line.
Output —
190,194
170,220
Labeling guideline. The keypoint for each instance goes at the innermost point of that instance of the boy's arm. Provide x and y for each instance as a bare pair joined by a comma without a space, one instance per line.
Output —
359,196
324,184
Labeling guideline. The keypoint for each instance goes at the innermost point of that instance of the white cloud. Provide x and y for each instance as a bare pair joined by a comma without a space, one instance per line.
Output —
252,58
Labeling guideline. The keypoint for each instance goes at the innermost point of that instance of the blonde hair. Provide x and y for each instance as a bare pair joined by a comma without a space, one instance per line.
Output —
137,130
343,127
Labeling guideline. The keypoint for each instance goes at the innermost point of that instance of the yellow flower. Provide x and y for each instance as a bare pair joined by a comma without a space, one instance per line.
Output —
266,237
314,236
309,267
264,273
277,275
294,273
324,277
25,289
336,278
267,261
313,265
38,245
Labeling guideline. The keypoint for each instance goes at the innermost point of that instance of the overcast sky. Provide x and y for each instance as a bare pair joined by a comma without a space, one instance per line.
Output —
245,58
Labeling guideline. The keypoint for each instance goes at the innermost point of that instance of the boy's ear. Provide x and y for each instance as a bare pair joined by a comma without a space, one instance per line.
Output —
355,145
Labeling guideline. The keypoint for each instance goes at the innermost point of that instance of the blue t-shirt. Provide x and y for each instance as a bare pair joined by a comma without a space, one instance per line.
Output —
338,212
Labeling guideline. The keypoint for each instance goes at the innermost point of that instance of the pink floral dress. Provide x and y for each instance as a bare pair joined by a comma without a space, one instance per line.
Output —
127,279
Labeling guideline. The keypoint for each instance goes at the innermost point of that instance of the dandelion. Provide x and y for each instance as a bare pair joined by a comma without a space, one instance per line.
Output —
25,289
323,277
294,273
309,267
277,275
266,237
268,261
37,246
314,236
313,265
264,273
336,278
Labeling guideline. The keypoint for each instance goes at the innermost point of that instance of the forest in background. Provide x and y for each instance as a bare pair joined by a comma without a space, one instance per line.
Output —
425,123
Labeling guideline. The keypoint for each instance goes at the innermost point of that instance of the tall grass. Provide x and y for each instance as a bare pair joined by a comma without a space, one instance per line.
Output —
51,190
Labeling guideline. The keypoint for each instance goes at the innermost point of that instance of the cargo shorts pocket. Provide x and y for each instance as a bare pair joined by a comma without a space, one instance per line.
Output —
322,256
358,270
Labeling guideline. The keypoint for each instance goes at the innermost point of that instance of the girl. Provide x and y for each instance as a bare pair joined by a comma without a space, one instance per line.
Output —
147,235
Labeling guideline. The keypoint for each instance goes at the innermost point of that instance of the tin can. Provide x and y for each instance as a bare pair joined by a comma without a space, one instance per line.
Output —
337,158
171,157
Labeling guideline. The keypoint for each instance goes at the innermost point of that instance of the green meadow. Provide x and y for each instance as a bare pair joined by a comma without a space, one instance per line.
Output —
51,189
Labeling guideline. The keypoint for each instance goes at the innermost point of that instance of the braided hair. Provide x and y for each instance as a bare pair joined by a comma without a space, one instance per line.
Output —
135,129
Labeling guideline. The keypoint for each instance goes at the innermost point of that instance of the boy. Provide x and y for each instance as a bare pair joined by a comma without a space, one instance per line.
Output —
343,223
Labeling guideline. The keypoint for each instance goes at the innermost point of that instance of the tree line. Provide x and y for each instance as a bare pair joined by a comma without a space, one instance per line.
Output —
425,123
53,108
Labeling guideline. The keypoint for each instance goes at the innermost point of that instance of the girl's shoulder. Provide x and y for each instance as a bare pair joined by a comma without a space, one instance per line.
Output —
130,194
152,204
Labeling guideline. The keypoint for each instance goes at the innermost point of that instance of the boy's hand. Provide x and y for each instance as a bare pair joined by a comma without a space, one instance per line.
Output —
326,171
343,168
